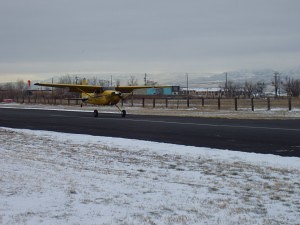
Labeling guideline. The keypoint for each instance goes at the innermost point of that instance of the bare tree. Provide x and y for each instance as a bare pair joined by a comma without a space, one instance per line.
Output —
63,92
118,82
260,88
132,81
93,81
66,79
9,90
249,89
20,87
292,87
1,93
233,89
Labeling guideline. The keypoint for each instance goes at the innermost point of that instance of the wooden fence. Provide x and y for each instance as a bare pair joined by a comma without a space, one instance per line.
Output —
216,103
180,102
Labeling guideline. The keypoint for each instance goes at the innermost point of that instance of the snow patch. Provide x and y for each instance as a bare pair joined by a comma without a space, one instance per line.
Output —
57,178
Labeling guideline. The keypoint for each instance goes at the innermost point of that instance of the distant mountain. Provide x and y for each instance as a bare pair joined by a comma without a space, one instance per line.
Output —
195,80
264,76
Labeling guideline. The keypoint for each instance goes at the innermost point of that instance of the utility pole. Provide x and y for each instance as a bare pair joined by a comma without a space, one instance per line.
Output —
187,90
226,82
289,87
145,79
187,84
52,87
276,83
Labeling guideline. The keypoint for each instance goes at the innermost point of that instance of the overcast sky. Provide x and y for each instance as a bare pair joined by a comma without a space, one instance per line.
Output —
206,36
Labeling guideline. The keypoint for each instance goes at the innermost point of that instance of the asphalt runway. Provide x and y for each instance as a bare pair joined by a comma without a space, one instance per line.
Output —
280,137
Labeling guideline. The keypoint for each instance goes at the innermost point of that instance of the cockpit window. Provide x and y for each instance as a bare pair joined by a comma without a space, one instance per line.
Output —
97,91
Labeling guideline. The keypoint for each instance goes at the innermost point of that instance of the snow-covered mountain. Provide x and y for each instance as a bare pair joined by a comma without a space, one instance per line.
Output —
193,79
263,76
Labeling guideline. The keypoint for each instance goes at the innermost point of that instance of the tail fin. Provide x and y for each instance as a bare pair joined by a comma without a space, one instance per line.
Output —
83,95
84,82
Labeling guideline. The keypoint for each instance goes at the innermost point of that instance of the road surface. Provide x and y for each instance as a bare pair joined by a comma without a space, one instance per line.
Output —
281,137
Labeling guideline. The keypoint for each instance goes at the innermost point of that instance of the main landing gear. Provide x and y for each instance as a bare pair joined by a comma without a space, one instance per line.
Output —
95,113
123,113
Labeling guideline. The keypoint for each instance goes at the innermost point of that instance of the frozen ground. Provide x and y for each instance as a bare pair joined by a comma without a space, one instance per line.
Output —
57,178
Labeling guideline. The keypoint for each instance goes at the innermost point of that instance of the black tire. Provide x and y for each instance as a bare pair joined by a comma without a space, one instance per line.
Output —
123,113
95,113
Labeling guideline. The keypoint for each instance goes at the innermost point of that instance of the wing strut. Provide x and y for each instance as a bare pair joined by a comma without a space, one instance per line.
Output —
123,112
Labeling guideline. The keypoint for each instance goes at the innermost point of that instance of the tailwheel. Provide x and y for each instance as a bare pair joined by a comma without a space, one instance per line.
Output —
123,113
95,113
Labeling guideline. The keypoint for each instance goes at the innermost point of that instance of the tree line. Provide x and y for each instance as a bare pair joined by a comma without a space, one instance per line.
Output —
11,90
21,88
231,89
290,86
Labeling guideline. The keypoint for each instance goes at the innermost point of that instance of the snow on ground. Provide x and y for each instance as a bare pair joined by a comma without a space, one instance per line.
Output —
58,178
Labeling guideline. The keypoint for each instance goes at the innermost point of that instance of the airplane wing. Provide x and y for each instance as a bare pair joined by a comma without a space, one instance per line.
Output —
91,88
73,87
129,89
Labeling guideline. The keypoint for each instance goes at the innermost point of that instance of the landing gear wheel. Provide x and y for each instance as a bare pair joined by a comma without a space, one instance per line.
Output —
123,113
95,113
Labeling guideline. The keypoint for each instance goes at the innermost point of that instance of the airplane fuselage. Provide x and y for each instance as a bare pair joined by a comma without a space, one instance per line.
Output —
108,97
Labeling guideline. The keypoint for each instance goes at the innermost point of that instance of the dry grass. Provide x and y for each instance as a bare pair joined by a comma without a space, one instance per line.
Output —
178,107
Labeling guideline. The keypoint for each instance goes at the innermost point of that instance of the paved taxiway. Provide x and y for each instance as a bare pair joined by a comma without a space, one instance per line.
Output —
281,137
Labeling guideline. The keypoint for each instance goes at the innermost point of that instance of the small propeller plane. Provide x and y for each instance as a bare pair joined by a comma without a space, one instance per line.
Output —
100,95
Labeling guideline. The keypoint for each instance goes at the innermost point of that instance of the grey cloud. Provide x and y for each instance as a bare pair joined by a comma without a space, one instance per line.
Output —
121,34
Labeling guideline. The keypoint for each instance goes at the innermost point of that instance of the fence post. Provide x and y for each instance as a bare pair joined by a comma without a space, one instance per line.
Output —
143,102
235,104
188,102
166,102
219,103
252,104
153,102
269,103
132,100
290,103
202,101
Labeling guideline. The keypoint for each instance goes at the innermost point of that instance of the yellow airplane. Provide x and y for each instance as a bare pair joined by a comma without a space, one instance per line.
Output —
99,95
